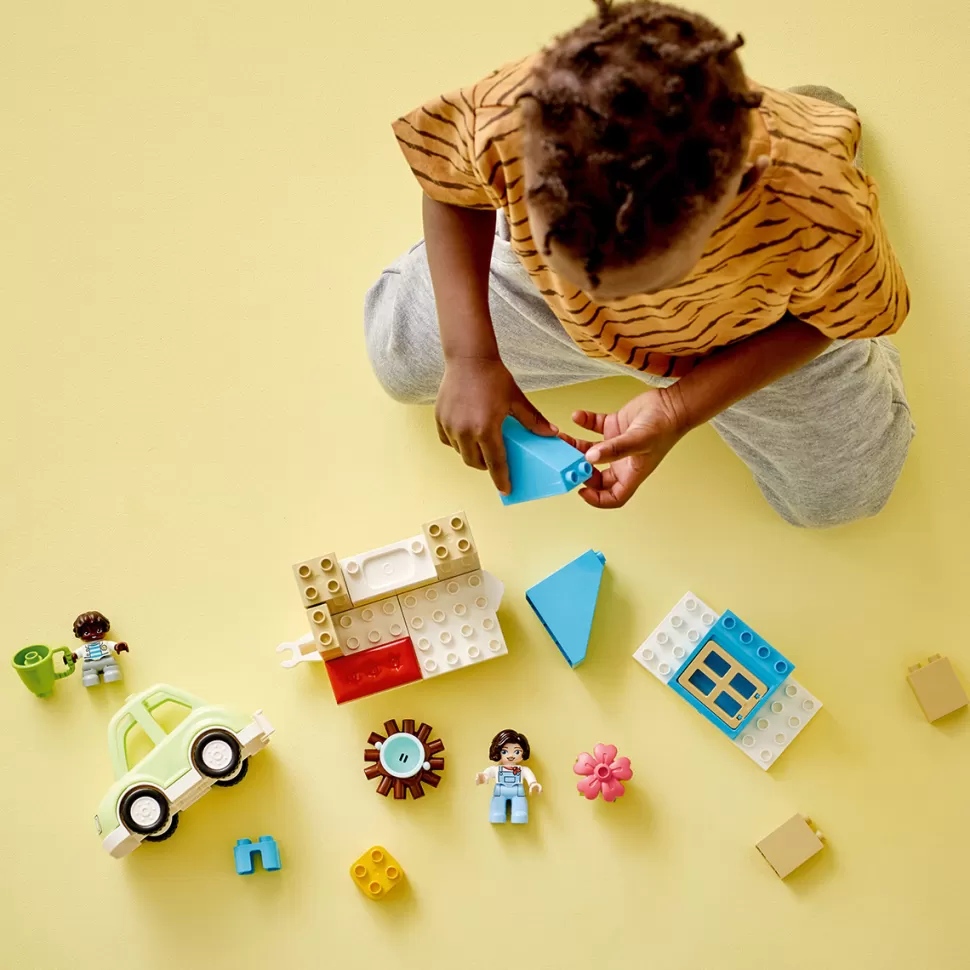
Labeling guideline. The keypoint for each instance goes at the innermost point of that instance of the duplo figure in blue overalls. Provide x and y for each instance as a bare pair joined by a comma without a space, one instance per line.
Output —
509,749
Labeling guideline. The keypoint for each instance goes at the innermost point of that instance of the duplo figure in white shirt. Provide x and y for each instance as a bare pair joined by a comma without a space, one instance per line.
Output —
99,656
509,749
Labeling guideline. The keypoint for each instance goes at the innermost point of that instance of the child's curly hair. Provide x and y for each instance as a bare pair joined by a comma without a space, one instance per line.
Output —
635,121
91,624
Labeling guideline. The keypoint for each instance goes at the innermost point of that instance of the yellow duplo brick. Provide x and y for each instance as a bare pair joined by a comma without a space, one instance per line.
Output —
376,872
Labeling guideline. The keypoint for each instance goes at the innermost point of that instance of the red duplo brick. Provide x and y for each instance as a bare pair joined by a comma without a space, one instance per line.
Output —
358,675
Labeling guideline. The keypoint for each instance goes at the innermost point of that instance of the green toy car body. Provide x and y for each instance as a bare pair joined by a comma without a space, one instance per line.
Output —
210,746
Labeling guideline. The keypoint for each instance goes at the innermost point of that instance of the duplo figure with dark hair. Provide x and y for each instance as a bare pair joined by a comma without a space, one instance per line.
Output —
628,201
509,749
98,656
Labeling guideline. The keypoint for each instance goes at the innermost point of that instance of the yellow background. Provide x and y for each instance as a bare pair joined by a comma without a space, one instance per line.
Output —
194,198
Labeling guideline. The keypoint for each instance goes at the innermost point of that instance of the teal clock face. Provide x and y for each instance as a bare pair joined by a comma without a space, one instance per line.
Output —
402,756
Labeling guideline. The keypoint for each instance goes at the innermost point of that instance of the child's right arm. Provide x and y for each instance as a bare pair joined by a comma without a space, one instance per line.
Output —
477,391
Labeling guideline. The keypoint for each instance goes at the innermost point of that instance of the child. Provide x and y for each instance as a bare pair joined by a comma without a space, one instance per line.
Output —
662,216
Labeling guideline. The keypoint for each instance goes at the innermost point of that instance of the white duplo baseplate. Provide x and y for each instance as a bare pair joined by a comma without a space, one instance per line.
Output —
683,628
453,623
369,626
391,569
777,723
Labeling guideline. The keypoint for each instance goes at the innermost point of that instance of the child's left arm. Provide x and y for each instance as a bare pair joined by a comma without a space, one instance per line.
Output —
528,775
639,435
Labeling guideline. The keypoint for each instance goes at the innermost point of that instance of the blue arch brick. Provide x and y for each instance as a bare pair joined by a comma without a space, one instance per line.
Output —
266,848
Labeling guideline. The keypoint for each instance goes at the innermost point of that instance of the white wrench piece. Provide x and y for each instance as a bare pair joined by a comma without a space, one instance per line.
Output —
298,652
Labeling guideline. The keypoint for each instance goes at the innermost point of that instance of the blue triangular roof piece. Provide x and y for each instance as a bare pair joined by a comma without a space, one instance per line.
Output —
566,603
539,466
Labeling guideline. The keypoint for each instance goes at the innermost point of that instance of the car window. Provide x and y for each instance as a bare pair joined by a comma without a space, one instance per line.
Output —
137,743
157,697
170,714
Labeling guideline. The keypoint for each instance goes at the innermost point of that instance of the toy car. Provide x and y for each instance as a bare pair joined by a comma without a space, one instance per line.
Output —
210,746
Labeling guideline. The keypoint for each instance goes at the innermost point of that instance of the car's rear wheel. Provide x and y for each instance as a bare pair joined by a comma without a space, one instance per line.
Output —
147,812
216,755
237,776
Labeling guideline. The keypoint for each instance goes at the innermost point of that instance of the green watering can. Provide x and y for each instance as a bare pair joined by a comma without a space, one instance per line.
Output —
35,664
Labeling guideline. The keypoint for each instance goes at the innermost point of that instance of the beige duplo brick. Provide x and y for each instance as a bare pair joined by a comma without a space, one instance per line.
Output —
452,546
790,845
936,687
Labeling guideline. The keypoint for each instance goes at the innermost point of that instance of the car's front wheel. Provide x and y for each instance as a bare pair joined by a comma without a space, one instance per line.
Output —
167,832
146,811
216,754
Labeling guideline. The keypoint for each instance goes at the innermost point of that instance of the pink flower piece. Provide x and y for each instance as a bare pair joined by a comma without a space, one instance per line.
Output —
603,772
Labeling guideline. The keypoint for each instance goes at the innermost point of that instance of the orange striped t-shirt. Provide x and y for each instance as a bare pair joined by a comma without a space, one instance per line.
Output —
807,238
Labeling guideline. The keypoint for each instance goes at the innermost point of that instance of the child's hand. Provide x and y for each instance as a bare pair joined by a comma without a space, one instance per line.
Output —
635,440
475,396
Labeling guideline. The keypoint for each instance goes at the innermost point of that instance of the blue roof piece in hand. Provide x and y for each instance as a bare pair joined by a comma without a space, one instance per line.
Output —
565,602
540,467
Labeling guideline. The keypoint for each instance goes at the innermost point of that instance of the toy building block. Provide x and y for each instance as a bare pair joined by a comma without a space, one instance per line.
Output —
663,653
731,674
370,626
324,636
454,624
417,608
266,848
540,466
391,569
778,723
719,653
376,872
566,601
321,581
790,845
373,671
452,546
403,759
936,687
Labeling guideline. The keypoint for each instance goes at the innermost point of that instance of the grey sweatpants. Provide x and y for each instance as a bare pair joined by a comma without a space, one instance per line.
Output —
825,444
